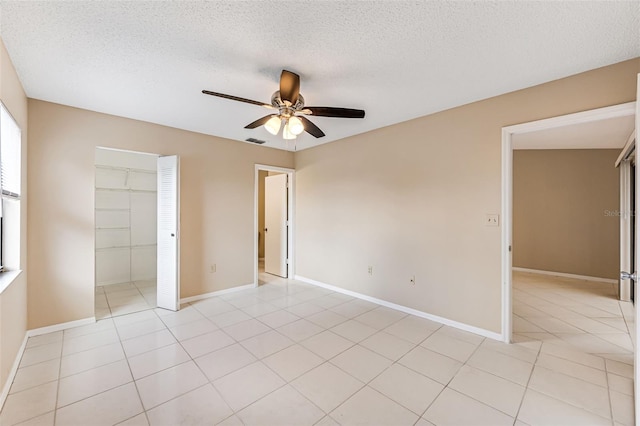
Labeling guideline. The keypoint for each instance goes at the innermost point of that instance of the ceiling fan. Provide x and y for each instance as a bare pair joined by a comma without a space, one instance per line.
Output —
291,110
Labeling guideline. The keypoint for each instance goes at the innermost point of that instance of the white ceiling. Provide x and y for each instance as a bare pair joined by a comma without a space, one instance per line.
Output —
611,133
396,59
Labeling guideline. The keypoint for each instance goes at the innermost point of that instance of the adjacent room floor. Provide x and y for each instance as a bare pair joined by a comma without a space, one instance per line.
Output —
290,353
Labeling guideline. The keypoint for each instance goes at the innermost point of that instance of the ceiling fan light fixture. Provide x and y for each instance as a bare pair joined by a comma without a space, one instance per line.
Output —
287,134
295,125
273,125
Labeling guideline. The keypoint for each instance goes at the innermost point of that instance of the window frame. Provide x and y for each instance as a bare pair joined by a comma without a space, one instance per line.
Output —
6,195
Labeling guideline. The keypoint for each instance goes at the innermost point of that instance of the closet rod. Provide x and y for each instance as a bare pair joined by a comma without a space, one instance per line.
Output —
125,169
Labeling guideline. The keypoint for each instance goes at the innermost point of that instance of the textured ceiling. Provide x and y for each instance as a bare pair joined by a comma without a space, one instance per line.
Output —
396,59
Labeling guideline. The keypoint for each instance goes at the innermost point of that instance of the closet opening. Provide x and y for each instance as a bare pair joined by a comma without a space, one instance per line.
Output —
125,232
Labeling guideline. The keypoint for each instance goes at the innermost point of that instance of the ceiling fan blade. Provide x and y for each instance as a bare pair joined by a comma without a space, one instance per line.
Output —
289,86
336,112
260,121
236,98
311,128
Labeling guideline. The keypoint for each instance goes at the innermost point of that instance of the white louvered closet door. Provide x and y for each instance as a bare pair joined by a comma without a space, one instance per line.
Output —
168,219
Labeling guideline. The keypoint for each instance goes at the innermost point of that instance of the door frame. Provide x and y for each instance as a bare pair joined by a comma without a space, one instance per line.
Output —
626,220
290,217
621,110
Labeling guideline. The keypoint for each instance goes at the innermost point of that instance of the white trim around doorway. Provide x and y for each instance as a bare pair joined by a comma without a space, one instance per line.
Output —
290,215
622,110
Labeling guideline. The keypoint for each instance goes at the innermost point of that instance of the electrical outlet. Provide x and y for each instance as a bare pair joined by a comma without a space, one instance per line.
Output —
412,280
370,270
492,220
212,268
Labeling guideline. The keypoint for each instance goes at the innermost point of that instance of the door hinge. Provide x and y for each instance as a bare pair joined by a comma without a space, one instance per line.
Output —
287,261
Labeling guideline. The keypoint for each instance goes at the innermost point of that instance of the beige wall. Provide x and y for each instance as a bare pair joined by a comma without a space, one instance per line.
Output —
13,301
216,192
560,198
412,198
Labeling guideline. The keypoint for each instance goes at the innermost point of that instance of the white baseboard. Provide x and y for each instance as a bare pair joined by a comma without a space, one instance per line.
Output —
216,293
12,372
32,333
60,327
405,309
564,275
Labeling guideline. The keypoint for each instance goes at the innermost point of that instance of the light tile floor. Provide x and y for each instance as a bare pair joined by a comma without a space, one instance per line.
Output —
126,298
288,353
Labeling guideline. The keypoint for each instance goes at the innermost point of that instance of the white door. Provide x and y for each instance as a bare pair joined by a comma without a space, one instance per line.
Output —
275,225
168,276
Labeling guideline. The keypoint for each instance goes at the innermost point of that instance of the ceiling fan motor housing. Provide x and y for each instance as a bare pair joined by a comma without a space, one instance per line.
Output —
284,109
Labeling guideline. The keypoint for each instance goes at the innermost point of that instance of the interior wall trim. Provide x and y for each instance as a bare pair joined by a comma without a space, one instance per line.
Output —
13,372
445,321
565,275
216,293
60,327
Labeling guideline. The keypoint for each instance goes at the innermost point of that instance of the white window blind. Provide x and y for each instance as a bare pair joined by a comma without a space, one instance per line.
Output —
9,154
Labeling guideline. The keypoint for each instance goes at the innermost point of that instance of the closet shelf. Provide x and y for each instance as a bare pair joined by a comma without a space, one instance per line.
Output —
152,191
125,247
111,248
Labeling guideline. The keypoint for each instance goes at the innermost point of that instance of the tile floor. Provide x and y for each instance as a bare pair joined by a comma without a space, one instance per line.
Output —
126,298
288,353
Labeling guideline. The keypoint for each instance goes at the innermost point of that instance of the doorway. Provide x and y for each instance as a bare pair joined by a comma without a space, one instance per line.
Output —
627,110
588,327
125,232
137,217
273,244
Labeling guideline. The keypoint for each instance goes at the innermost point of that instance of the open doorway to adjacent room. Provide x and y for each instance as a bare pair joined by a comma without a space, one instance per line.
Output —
273,223
564,242
561,228
563,251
